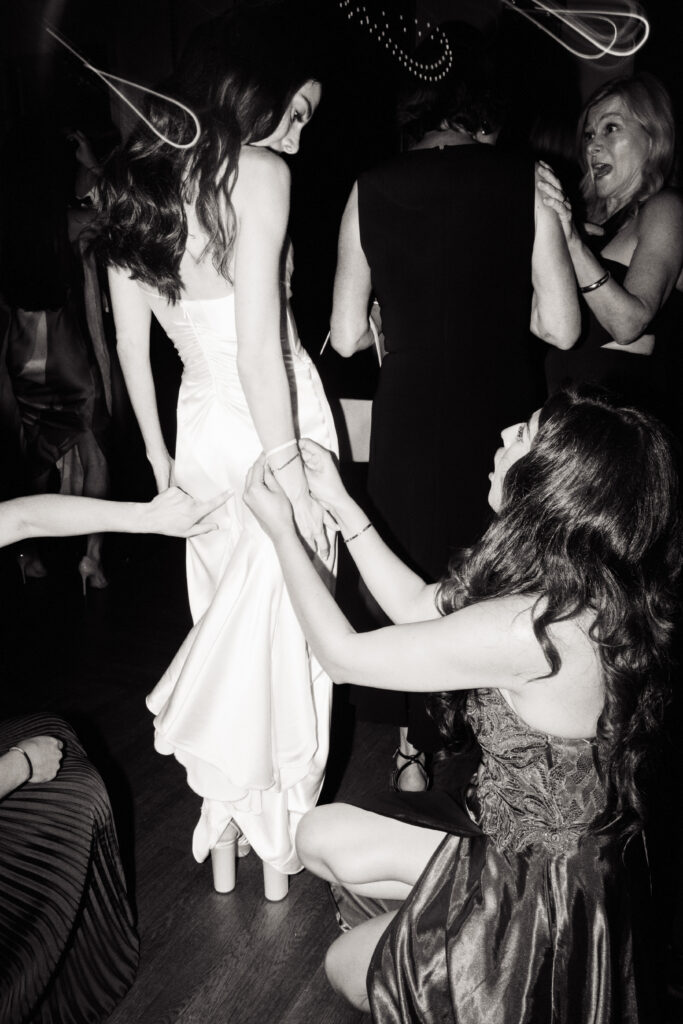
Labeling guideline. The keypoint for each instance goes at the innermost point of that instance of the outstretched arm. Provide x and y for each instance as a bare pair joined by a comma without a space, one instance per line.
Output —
132,318
484,645
349,328
555,312
173,513
401,593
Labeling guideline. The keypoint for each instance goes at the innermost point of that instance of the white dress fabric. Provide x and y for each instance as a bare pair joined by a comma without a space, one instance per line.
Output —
243,706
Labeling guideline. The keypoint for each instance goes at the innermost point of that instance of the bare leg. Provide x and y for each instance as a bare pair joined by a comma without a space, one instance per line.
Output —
371,855
95,485
348,959
367,853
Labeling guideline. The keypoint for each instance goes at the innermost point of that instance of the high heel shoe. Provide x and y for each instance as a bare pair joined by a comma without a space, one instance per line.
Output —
232,844
421,762
30,567
90,571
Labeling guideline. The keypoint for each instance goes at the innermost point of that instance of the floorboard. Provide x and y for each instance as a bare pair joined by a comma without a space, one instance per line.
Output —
206,958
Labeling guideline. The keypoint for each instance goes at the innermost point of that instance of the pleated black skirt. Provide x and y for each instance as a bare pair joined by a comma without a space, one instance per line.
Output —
68,945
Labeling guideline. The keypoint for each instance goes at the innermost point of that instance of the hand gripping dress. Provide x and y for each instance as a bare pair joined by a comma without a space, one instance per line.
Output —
243,705
533,921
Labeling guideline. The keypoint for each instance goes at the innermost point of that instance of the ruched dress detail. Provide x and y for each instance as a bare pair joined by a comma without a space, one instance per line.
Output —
243,706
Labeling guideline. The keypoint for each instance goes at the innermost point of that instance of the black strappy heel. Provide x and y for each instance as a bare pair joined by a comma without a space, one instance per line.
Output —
409,759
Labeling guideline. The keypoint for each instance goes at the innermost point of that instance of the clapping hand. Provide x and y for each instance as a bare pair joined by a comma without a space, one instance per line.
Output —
553,196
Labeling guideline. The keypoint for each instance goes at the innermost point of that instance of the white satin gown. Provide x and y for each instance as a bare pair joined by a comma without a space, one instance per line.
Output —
243,706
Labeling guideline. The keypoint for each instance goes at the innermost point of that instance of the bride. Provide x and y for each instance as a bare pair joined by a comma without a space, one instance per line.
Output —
197,238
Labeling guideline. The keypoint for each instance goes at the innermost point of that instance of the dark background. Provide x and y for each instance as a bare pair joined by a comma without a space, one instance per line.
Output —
353,129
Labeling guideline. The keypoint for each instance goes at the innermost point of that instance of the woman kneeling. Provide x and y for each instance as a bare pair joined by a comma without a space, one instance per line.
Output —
550,640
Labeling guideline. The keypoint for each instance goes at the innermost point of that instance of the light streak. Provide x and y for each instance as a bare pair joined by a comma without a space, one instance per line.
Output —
616,30
109,79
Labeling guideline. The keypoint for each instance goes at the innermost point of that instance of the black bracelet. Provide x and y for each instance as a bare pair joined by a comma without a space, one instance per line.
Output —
276,469
347,540
596,284
28,761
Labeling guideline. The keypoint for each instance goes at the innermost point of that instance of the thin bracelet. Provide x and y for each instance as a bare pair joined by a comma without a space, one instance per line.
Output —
28,761
281,447
347,540
596,284
276,469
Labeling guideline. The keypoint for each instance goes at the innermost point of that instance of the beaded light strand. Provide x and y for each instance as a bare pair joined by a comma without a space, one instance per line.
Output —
433,71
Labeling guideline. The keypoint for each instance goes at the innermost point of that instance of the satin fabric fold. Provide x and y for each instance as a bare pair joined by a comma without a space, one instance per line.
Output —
534,921
243,705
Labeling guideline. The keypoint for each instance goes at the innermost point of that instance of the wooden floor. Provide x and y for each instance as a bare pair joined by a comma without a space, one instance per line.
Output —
206,958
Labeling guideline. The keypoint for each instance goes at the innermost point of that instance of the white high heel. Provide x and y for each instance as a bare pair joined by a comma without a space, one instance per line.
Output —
232,844
275,884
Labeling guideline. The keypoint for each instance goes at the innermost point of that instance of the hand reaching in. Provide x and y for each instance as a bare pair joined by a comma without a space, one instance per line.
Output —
268,502
324,481
177,514
310,521
278,516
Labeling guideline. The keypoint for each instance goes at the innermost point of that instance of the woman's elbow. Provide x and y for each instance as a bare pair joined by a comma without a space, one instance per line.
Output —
626,334
343,343
564,336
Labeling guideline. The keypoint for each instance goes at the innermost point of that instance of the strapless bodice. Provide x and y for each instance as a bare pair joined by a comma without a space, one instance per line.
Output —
204,335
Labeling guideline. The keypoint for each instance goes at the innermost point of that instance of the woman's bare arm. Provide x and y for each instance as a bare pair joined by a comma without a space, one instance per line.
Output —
349,327
555,312
132,319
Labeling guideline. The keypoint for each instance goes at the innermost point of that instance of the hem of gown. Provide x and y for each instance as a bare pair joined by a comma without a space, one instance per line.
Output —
171,748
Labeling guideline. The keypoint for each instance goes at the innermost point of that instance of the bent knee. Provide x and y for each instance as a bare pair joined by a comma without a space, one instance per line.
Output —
322,837
312,837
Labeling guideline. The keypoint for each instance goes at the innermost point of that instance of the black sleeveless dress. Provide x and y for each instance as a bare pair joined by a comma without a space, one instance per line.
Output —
651,382
448,235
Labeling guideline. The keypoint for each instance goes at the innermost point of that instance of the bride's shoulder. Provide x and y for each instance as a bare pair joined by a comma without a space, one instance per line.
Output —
262,183
261,168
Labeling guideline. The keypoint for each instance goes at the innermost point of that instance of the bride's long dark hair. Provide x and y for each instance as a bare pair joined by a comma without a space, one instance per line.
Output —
238,75
590,523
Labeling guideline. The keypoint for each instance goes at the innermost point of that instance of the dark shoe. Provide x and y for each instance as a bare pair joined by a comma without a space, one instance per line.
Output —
419,759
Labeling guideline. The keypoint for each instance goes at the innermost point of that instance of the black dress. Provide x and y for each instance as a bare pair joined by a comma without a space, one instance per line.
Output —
68,944
649,381
448,235
534,919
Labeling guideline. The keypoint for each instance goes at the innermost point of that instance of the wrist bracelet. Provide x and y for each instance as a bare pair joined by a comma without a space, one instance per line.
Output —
28,761
596,284
347,540
281,447
276,469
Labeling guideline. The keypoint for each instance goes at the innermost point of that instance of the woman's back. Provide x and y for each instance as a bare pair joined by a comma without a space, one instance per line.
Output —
532,787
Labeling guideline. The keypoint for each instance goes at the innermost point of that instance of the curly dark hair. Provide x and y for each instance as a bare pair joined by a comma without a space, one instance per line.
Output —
590,522
238,74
